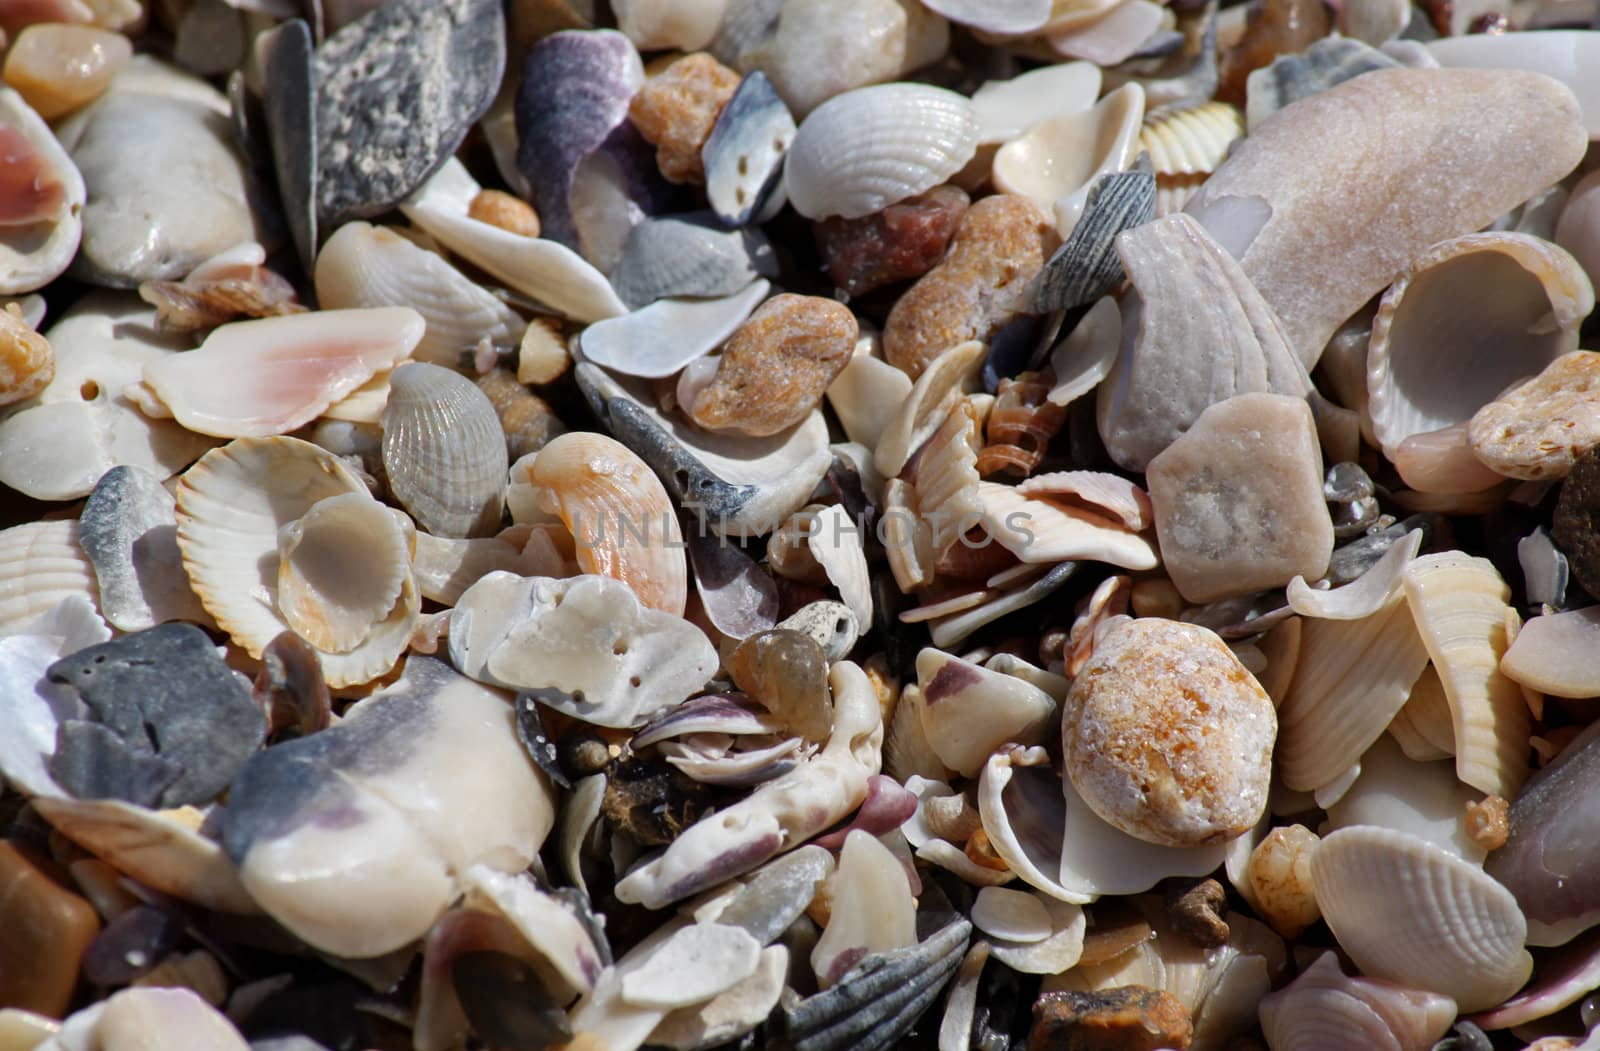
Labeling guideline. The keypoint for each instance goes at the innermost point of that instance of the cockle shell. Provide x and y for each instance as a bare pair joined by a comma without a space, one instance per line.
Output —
1055,163
1459,604
41,210
1408,912
1490,308
1323,1008
444,451
41,565
341,568
1186,146
866,149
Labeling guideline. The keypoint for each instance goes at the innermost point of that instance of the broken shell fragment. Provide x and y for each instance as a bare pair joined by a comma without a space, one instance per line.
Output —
1185,146
968,711
743,156
658,340
688,256
693,965
1086,266
45,194
1323,1007
444,451
41,565
870,909
1057,162
128,530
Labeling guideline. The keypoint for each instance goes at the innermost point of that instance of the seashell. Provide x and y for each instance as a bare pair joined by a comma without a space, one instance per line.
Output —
1273,188
1056,163
1292,77
443,451
961,1003
542,356
743,156
1421,799
1037,529
1459,604
1323,1008
866,149
41,565
1565,977
1086,267
1567,55
660,339
1105,494
341,568
775,895
178,1018
1422,728
251,379
363,265
32,255
1114,37
682,25
1548,654
1365,595
714,713
995,16
1008,108
947,379
528,421
944,496
128,532
1012,915
577,824
595,478
860,393
996,602
689,256
738,486
1185,147
837,546
729,1015
1408,912
547,271
285,55
235,284
1541,295
691,966
739,597
1088,354
35,708
871,909
968,711
1058,951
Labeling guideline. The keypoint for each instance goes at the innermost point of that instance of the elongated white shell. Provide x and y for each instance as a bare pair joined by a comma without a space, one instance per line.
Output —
862,151
444,451
945,381
1007,108
28,261
1409,912
659,339
1363,596
1040,530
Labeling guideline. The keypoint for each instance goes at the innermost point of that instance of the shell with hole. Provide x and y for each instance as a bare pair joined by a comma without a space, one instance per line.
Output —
42,226
1055,163
444,451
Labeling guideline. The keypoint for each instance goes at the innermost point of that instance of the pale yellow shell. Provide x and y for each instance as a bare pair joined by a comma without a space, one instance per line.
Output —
1422,728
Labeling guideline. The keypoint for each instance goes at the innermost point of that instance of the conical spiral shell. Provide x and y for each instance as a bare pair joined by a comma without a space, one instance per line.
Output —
444,451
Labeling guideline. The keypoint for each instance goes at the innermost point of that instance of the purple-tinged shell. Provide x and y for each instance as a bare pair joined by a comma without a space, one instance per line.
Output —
1564,977
710,764
740,597
886,808
716,713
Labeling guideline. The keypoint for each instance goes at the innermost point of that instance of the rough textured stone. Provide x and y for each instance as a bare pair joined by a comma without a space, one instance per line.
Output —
1538,430
1001,244
902,242
47,930
129,530
676,110
1167,736
1127,1018
1576,526
1238,499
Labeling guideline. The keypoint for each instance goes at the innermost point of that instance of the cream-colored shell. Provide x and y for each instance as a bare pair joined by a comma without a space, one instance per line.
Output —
1056,162
1007,108
1423,727
27,259
1185,146
41,565
946,380
1036,529
341,568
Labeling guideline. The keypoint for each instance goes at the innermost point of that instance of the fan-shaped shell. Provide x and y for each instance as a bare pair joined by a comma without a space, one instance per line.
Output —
444,451
862,151
1185,146
1407,911
41,225
946,380
341,567
41,564
1056,162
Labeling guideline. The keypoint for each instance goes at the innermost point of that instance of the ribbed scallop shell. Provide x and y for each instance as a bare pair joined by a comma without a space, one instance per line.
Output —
1039,530
31,257
619,514
862,151
341,568
1185,146
42,564
1459,604
444,451
946,479
1409,912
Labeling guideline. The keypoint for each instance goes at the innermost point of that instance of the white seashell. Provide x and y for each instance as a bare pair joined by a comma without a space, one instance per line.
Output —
871,908
693,965
731,1014
1185,146
1423,727
1406,911
1056,162
837,546
681,25
546,270
176,1019
995,601
33,708
1041,530
1048,681
1112,38
444,451
1058,951
250,379
1322,1008
994,16
961,1002
578,817
1013,915
1487,309
41,565
1552,654
38,244
1459,604
944,496
907,752
1109,494
968,711
1007,108
1570,56
865,393
946,380
1421,799
866,149
363,265
660,339
1365,595
559,940
1086,356
446,567
341,568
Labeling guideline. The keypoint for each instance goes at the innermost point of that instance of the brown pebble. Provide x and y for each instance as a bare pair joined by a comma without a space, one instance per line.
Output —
498,208
1279,872
1539,428
1486,822
27,364
1576,525
527,419
1001,244
44,931
1126,1018
58,68
1273,28
776,368
1196,912
676,109
902,242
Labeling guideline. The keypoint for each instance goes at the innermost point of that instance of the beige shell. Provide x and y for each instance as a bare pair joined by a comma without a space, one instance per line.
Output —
907,540
947,379
341,568
946,480
1322,1008
1109,494
619,514
1554,654
1409,912
444,451
1055,163
1185,146
1421,799
41,564
967,711
1363,596
1041,530
1007,108
1422,728
864,392
1087,355
1460,604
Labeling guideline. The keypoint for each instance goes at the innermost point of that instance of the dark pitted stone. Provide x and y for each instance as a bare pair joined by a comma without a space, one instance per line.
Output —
1196,909
166,692
290,108
900,243
1576,527
397,90
92,762
1127,1018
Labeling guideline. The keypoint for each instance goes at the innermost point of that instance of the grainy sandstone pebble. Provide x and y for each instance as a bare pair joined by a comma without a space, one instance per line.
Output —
676,109
498,208
1576,524
1127,1018
1539,429
902,242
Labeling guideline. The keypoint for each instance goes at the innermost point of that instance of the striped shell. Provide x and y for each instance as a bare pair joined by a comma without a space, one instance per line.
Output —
41,564
444,451
1185,146
862,151
1422,728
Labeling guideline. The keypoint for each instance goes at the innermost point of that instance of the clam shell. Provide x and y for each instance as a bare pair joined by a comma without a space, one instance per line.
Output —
688,256
444,451
743,156
1057,162
866,149
1185,146
1459,604
968,710
34,708
1406,911
1490,308
1421,799
37,246
1086,266
363,265
837,546
1059,950
995,601
1007,108
660,339
41,565
1322,1008
946,380
341,568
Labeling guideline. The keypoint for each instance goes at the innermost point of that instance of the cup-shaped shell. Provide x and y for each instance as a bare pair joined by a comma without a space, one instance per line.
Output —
862,151
341,567
1056,163
39,203
619,513
1471,316
444,451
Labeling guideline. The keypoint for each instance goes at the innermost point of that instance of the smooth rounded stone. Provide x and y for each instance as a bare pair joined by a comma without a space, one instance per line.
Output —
128,529
1166,735
1128,1018
58,68
776,368
676,110
1539,429
900,243
743,155
1002,242
692,966
1576,523
786,672
1554,654
1238,499
48,929
688,255
397,91
1015,915
1319,243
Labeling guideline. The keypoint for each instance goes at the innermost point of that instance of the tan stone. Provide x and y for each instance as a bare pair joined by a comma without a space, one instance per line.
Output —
1538,430
58,68
1127,1018
46,929
676,110
498,208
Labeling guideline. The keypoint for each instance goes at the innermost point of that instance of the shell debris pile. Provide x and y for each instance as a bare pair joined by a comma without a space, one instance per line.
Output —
824,525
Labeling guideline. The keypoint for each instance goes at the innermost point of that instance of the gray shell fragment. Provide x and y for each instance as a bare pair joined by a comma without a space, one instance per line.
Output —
777,893
879,999
1331,60
290,108
1086,266
397,91
689,256
743,156
129,531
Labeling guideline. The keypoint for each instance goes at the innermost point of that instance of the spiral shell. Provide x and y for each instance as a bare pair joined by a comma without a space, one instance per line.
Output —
444,451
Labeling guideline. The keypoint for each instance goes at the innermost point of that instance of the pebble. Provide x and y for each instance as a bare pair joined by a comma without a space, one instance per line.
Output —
1539,429
1002,242
1126,1018
676,110
1279,872
27,364
527,419
1238,499
900,243
501,209
776,368
58,68
1576,525
47,930
1167,736
128,529
1197,912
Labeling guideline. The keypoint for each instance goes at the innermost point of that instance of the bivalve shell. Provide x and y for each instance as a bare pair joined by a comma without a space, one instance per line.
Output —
1055,164
995,16
1186,146
444,451
1322,1008
51,203
341,568
41,564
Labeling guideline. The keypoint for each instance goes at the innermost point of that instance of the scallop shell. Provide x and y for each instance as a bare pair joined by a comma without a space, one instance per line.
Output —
41,565
1486,310
444,451
1406,911
39,242
1057,162
947,379
620,515
866,149
1185,146
341,568
658,340
1322,1008
1459,604
363,265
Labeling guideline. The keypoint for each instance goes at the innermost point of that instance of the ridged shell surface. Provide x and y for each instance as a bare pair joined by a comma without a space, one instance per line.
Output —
862,151
444,451
341,567
1323,1008
1185,146
41,563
